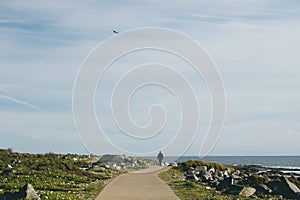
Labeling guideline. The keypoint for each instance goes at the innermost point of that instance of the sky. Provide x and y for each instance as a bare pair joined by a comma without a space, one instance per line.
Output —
254,43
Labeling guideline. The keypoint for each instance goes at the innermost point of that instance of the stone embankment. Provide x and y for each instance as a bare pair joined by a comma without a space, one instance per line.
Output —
254,181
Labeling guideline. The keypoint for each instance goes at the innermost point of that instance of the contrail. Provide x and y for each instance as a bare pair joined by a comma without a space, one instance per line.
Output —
17,101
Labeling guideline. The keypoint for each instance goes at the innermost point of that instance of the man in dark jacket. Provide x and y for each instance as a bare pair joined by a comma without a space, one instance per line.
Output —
160,157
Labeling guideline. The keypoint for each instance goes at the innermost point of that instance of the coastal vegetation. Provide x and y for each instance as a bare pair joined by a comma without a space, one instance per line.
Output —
71,176
196,179
61,176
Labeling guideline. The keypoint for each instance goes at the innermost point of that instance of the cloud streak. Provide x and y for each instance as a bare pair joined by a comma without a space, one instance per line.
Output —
20,102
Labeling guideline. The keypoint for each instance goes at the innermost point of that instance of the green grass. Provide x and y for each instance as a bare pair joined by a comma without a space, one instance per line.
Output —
194,163
53,176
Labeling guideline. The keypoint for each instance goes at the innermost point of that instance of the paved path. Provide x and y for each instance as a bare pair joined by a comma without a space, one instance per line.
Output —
141,184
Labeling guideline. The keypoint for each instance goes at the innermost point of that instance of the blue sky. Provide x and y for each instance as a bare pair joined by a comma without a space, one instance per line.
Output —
254,43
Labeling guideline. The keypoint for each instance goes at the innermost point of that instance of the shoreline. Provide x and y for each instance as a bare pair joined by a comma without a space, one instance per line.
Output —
73,171
286,162
232,181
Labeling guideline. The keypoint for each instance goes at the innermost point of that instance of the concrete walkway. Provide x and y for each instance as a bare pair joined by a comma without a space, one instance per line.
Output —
141,184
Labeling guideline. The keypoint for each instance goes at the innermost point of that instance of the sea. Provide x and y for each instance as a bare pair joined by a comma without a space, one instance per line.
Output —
292,162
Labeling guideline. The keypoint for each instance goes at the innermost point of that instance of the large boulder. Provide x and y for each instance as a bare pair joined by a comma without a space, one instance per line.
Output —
240,190
113,158
263,188
29,192
190,175
225,184
234,189
26,192
289,189
247,191
285,188
291,186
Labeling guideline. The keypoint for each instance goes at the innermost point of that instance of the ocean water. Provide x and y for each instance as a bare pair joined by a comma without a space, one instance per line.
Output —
268,161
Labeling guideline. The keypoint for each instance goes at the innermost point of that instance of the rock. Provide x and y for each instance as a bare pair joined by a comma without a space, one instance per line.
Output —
225,184
288,189
253,180
190,175
113,158
285,188
219,178
118,168
229,170
174,164
102,168
140,162
9,166
195,176
274,186
207,176
246,175
202,169
234,176
134,162
118,159
26,192
237,172
226,173
290,185
212,170
86,167
234,189
221,174
29,192
214,183
247,191
127,159
240,190
263,188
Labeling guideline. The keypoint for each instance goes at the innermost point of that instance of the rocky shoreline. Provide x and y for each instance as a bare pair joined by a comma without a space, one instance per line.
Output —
245,180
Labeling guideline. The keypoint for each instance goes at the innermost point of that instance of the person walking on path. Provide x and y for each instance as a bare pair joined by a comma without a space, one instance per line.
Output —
160,158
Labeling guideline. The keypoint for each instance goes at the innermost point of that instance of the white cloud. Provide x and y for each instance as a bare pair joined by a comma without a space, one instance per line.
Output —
254,43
